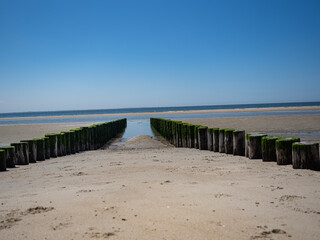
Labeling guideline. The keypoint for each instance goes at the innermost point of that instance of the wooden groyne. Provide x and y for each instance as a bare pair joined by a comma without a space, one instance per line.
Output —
284,151
54,145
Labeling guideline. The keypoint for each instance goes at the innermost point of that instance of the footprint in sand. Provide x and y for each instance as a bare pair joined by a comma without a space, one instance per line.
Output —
15,216
290,198
60,226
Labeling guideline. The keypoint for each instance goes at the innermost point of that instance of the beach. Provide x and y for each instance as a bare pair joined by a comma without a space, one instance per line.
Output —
147,189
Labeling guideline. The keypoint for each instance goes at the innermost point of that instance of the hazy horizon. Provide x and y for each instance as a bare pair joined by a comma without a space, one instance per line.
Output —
68,55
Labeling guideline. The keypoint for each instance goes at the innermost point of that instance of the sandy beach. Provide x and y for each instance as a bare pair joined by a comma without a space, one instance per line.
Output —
146,189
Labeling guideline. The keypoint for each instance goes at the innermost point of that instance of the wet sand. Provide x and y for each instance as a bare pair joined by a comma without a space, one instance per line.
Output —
15,133
305,127
161,192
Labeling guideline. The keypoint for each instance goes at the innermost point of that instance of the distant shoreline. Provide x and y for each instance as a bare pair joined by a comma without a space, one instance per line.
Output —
266,109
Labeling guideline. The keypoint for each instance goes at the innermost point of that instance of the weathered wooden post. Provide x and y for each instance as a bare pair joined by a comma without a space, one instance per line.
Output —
196,140
25,150
254,145
67,143
215,139
191,136
73,141
63,144
83,138
184,136
59,145
221,140
203,138
53,144
40,149
78,140
305,155
3,160
228,140
179,132
47,147
91,142
210,139
284,150
239,142
18,150
32,145
268,146
10,156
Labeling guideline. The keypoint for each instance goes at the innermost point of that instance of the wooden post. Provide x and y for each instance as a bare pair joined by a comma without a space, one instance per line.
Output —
10,156
210,139
191,136
63,144
78,140
254,145
179,134
228,140
47,147
202,138
215,139
284,150
3,160
67,143
196,140
83,138
305,155
18,150
25,150
32,146
53,144
239,142
40,149
268,146
184,132
221,140
59,145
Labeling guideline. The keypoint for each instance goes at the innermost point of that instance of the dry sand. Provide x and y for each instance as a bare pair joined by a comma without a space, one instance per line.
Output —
160,192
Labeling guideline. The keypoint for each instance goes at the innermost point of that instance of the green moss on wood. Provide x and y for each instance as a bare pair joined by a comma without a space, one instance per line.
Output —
228,130
286,143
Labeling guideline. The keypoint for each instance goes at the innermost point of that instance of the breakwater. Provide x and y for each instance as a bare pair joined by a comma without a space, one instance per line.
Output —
54,145
284,151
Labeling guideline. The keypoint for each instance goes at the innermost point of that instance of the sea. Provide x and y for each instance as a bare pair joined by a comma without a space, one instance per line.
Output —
19,117
140,125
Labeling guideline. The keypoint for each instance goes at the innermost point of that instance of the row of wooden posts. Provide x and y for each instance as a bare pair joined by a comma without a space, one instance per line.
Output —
59,144
284,151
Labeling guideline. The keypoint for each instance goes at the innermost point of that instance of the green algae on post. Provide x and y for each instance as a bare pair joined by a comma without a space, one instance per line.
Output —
53,144
305,155
268,147
40,149
254,145
215,139
32,146
284,150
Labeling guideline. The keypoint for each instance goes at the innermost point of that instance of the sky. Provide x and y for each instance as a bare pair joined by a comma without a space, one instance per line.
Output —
100,54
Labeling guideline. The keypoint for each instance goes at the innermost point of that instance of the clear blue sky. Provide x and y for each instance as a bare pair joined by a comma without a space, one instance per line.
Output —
61,55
